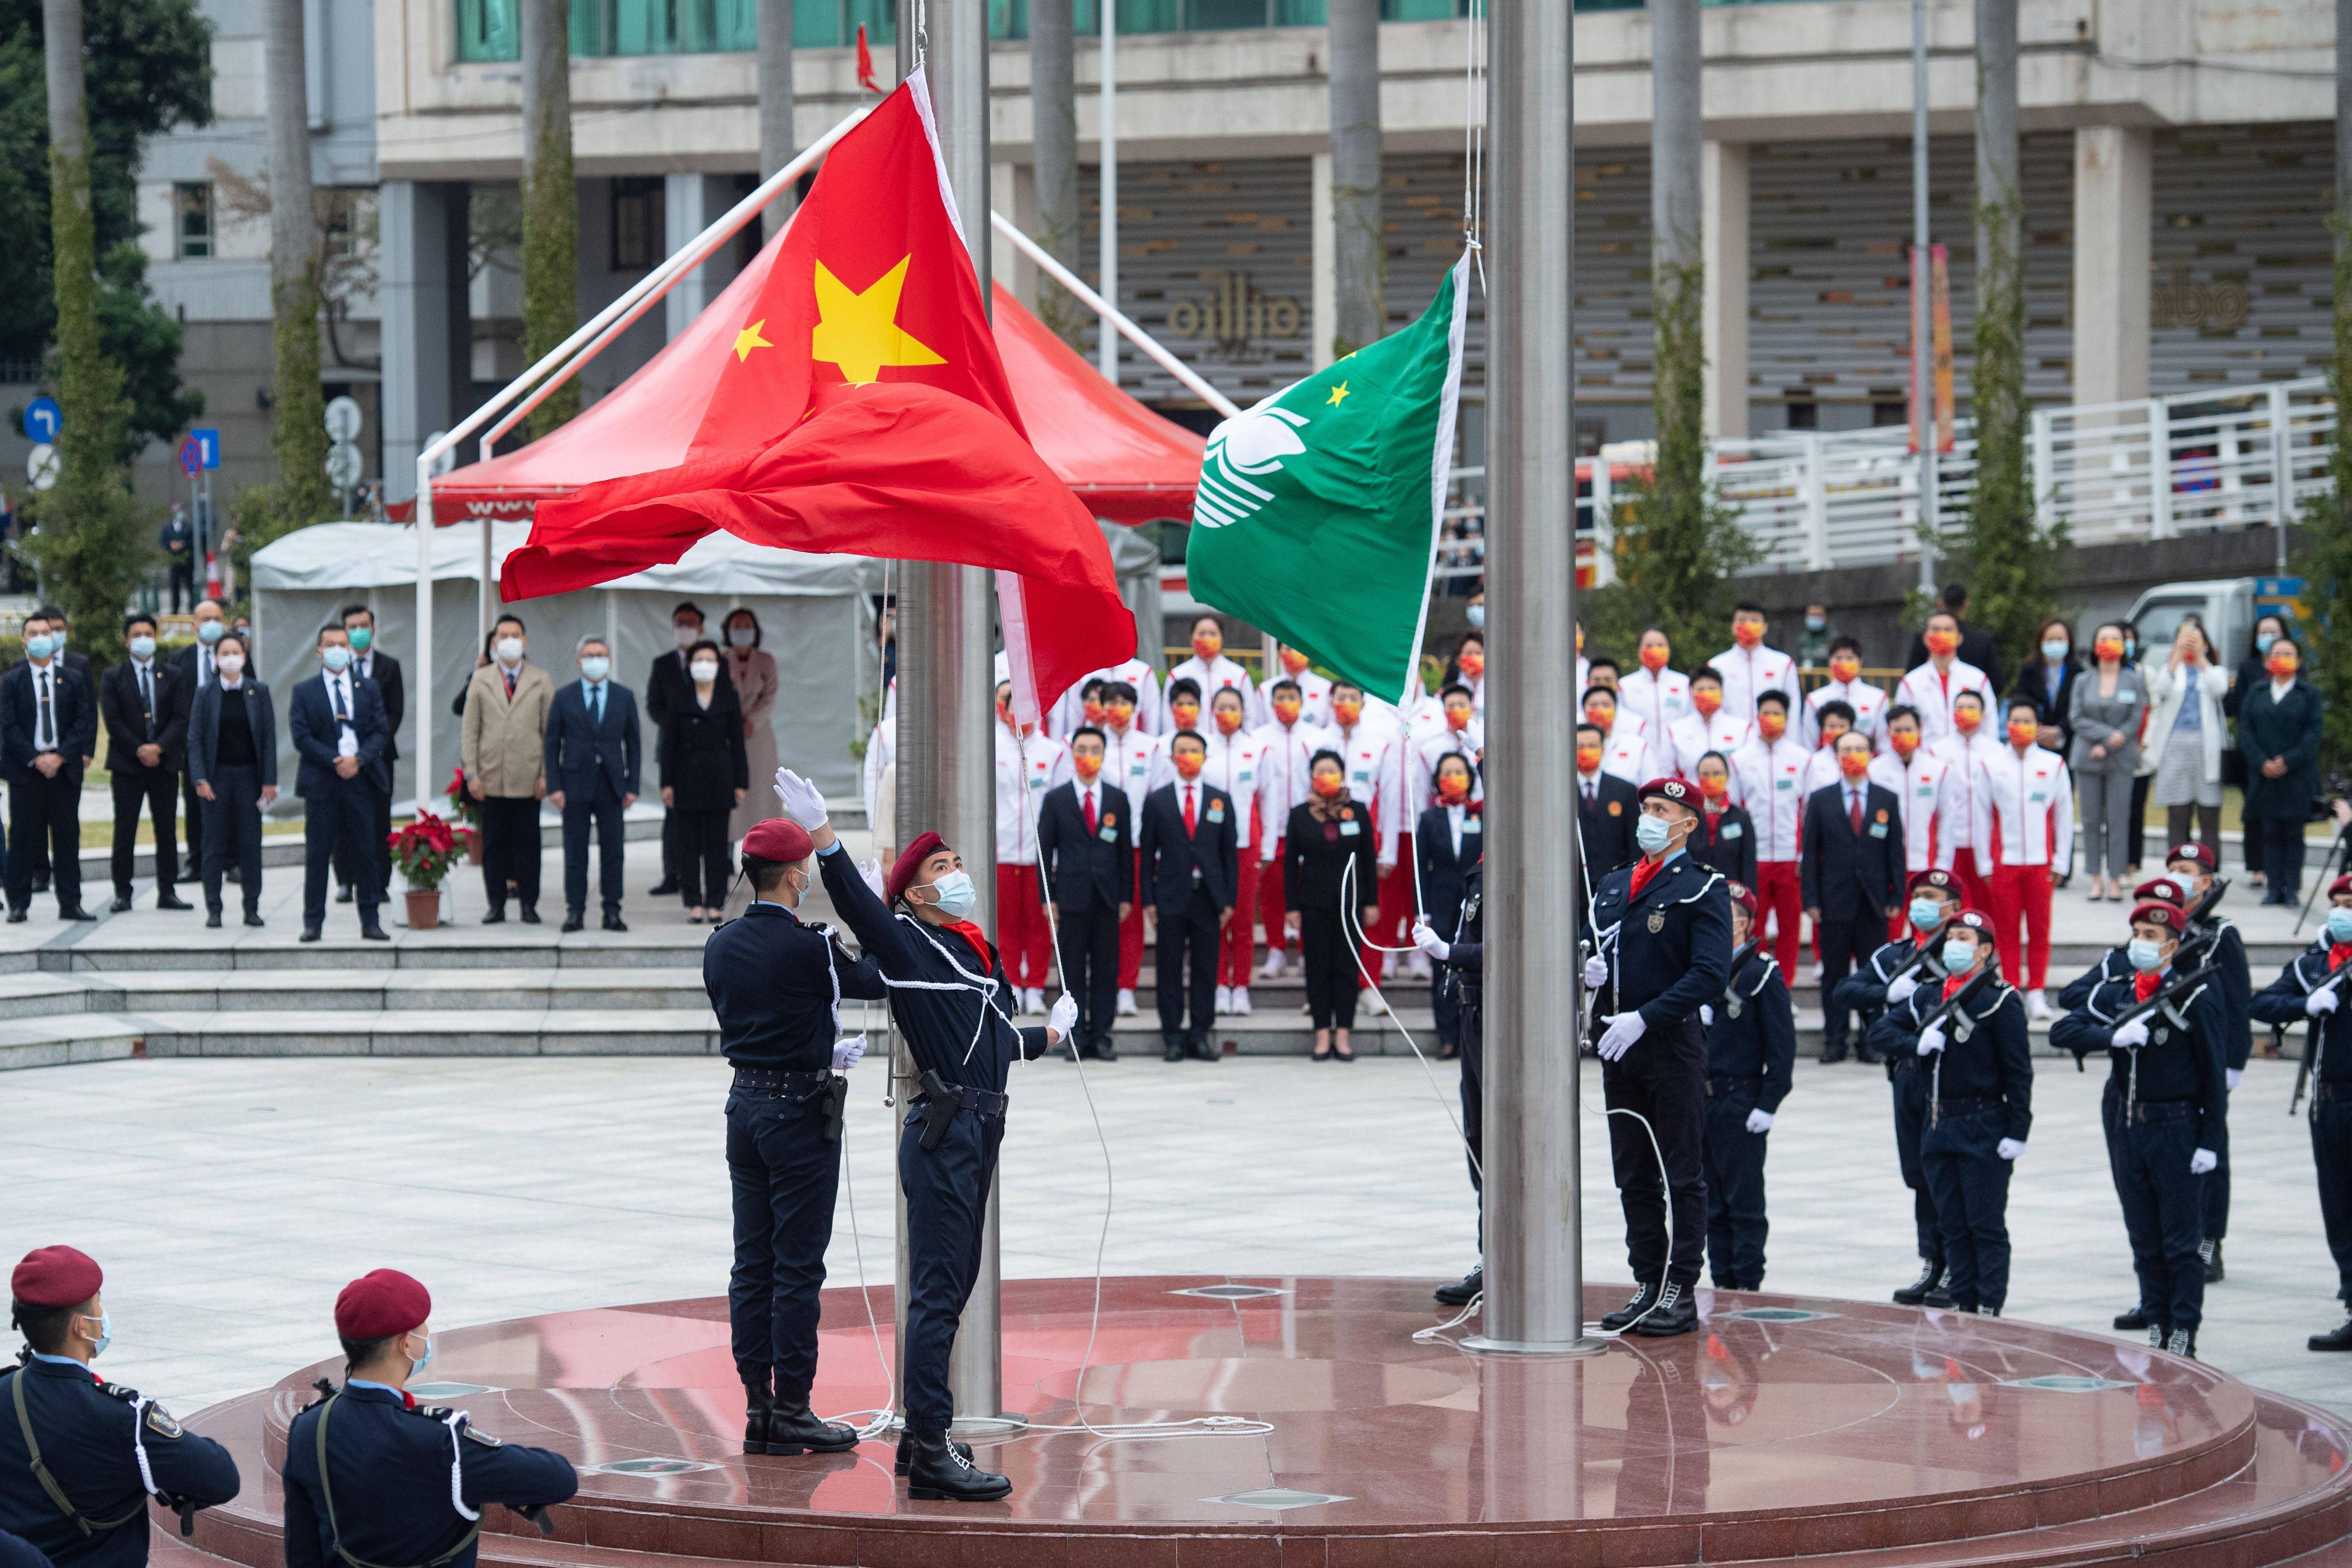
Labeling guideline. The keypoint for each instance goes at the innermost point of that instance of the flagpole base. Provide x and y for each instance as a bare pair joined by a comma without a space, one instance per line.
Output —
1483,1345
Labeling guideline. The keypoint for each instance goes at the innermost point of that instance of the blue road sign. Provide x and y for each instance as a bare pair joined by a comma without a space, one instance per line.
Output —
43,419
2277,590
208,442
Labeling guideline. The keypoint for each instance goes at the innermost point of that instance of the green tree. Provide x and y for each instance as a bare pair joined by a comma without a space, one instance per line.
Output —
550,199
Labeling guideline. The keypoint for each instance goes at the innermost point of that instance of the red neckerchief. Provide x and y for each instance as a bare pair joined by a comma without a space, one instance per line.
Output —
970,933
2143,986
1642,873
1953,986
2337,953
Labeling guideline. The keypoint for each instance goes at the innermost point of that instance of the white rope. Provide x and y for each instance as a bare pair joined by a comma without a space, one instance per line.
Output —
886,1416
1474,130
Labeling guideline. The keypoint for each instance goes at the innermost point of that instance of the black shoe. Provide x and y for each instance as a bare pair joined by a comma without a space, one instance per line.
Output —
372,933
1459,1293
938,1473
1677,1312
1203,1050
2133,1321
758,1407
1106,1052
212,921
2183,1343
1988,1311
2210,1251
15,917
574,922
793,1429
1868,1057
1832,1055
235,875
529,915
497,916
1172,1048
311,933
1931,1275
615,922
75,912
906,1455
253,917
667,886
1643,1294
344,893
2337,1338
40,885
122,902
169,900
1939,1298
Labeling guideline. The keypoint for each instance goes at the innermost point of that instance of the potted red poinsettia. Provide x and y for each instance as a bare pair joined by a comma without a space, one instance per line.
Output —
462,810
424,849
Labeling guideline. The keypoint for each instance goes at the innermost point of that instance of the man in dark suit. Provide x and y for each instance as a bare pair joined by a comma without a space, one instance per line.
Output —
370,662
146,734
78,664
593,760
1976,642
1851,878
179,542
194,666
1191,868
1606,809
1085,853
48,726
668,688
336,723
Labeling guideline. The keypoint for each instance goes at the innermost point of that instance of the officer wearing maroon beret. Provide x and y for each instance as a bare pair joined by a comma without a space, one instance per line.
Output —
372,1477
80,1457
1660,949
776,983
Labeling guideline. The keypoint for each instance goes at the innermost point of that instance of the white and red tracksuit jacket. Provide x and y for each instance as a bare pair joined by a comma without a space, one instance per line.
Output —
2024,809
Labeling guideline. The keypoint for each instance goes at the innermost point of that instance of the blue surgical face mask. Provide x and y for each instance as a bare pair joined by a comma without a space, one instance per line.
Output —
211,630
2053,649
39,646
143,647
1817,623
105,1334
1958,954
1477,615
2340,926
337,658
1653,835
595,666
2262,641
954,894
1925,915
2145,956
361,638
423,1361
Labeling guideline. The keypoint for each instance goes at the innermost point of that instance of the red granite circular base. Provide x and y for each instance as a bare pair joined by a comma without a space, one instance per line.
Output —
1786,1427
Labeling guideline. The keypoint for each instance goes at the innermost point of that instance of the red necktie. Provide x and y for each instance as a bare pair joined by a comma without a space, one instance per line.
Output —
1854,796
1090,810
1188,808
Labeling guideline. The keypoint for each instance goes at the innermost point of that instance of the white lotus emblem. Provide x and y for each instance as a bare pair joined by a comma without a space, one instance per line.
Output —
1253,442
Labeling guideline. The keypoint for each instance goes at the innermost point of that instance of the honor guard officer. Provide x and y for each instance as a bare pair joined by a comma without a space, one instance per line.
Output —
2309,990
1751,1055
80,1457
1463,957
2195,867
1662,935
952,1003
1878,991
1981,1107
2164,1113
776,984
371,1477
16,1552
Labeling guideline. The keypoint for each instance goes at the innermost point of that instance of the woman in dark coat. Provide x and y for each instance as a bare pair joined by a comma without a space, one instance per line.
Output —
2047,681
2278,729
1725,838
1328,832
2250,673
703,774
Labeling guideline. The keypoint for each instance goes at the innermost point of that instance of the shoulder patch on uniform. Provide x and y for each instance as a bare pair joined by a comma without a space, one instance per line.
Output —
159,1421
115,1390
487,1439
431,1412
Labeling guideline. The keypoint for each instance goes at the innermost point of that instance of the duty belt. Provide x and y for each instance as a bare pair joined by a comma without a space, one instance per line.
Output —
2146,1111
1951,1107
800,1088
940,1100
1733,1081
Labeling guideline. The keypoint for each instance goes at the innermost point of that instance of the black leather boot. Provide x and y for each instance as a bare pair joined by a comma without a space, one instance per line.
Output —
1459,1293
759,1405
1676,1313
793,1429
939,1473
2337,1338
907,1455
2182,1342
2210,1249
1643,1294
1931,1277
2134,1320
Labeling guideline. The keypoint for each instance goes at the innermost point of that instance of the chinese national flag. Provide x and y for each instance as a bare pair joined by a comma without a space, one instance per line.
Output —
861,409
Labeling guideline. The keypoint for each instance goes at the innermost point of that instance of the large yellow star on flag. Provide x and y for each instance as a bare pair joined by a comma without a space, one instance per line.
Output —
748,339
860,332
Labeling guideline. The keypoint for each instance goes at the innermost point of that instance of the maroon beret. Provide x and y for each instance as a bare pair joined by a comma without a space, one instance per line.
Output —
2171,916
2200,855
56,1277
1742,894
1941,881
1681,791
2163,889
910,864
2342,884
1975,920
380,1303
779,838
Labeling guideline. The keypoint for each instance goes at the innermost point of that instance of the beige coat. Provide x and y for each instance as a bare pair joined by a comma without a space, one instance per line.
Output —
506,741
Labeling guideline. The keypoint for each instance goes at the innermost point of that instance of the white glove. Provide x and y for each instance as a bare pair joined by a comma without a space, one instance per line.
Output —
2318,1002
2131,1034
2203,1160
1065,1015
1596,972
848,1053
1706,1014
1931,1040
1899,989
2009,1148
1429,941
802,800
871,870
2235,1075
1624,1029
1759,1121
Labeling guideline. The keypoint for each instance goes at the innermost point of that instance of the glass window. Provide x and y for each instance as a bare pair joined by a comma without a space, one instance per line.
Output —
489,30
638,240
191,221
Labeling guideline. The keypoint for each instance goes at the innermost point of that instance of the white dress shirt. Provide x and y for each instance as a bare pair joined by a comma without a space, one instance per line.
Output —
339,700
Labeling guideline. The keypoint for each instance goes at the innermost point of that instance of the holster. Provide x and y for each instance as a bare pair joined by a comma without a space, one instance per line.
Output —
941,1101
836,1103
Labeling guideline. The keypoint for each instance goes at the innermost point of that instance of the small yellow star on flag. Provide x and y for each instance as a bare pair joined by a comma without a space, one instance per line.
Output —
1339,394
748,339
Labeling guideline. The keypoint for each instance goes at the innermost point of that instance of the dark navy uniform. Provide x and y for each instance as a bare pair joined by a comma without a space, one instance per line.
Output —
1461,974
16,1552
1884,1034
2114,965
952,1012
1669,951
106,1450
2233,977
776,984
1981,1089
2329,1050
1751,1054
2164,1101
374,1478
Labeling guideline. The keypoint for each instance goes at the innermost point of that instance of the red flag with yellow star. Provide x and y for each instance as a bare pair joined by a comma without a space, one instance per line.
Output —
861,408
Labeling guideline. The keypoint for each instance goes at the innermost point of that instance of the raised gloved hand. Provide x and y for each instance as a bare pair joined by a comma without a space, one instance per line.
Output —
2009,1148
2131,1034
2319,1002
1065,1015
848,1053
1624,1029
1596,972
1760,1119
2201,1161
1429,941
1706,1014
1931,1040
1899,989
871,870
802,800
2233,1076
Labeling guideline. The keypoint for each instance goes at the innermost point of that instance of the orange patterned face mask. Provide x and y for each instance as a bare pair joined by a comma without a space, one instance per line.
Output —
2021,731
1587,758
1772,725
1707,700
1188,763
1473,663
1294,662
1121,713
1458,718
1454,789
1903,741
1329,784
2108,648
1186,713
1094,711
1348,713
1088,766
1653,657
1845,668
1228,721
1854,764
1287,709
1714,786
1943,644
1206,648
1966,720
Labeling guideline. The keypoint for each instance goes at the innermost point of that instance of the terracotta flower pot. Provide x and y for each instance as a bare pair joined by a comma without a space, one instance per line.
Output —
473,849
424,909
